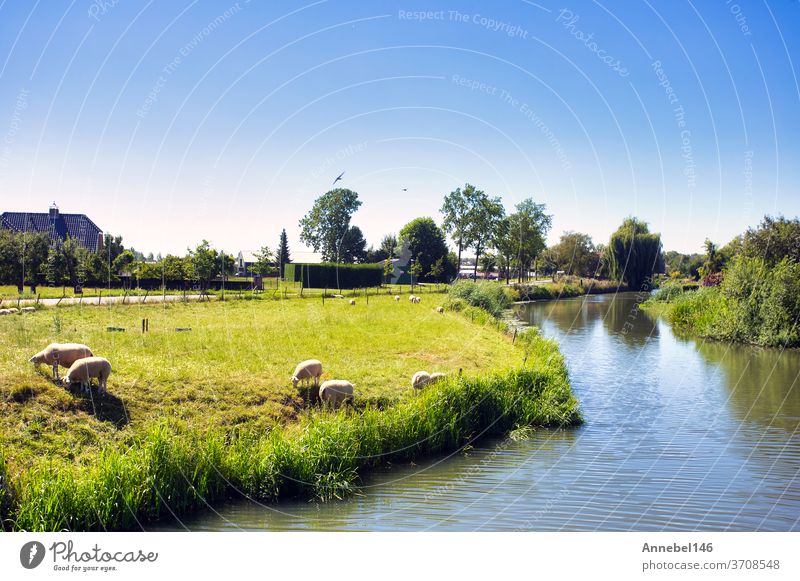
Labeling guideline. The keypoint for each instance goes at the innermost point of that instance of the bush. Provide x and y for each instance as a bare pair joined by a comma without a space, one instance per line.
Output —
669,290
329,275
754,303
487,296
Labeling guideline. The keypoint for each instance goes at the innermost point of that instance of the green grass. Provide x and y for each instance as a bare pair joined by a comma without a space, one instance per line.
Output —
570,286
193,416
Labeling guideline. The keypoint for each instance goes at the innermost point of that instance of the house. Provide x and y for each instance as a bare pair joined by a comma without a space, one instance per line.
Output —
244,262
59,226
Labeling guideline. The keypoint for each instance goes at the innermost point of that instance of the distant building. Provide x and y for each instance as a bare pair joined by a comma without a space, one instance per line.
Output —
244,263
59,226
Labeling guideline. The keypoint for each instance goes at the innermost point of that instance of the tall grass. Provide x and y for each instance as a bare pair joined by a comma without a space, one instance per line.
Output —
5,494
484,295
756,303
172,471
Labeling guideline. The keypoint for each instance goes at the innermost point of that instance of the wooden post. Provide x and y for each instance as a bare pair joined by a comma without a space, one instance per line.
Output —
99,296
37,298
142,325
514,338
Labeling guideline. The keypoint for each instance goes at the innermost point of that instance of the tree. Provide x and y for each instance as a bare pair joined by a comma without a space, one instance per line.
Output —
22,256
205,263
388,269
389,246
485,216
773,240
264,263
575,254
326,225
123,262
633,253
283,257
456,210
62,263
488,263
522,235
426,243
353,247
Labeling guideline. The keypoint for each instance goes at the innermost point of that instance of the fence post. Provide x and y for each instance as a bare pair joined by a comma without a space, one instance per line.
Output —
99,296
37,298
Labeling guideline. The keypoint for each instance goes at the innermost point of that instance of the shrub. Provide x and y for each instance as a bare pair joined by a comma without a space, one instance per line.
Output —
329,275
488,296
669,290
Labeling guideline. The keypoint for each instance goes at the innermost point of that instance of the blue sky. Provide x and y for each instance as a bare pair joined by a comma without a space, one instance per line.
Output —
172,122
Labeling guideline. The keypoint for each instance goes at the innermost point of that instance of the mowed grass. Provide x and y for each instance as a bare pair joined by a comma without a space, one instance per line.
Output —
231,372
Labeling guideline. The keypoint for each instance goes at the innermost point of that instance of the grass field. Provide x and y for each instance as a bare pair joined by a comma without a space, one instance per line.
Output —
207,409
233,368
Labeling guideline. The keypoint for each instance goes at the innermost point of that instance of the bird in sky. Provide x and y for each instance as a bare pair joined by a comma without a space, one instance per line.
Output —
405,189
339,177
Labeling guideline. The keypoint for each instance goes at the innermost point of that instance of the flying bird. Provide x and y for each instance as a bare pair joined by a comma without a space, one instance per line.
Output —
405,189
338,178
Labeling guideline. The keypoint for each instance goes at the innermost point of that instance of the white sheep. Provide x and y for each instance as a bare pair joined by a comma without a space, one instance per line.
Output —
420,379
305,370
13,310
397,298
440,310
352,302
438,376
64,354
28,309
84,370
411,298
4,312
334,392
338,296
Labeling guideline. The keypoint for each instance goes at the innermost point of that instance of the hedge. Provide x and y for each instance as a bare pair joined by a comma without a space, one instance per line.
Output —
329,275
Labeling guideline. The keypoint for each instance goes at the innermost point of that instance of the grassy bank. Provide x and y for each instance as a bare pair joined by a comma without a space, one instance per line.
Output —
567,287
194,416
754,304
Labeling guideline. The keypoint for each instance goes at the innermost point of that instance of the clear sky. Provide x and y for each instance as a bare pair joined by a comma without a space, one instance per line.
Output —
169,122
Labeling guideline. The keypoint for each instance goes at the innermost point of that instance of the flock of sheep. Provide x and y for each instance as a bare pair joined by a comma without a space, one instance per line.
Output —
83,366
15,310
335,392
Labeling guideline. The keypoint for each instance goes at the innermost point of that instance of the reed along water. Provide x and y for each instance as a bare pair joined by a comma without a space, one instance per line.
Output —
679,434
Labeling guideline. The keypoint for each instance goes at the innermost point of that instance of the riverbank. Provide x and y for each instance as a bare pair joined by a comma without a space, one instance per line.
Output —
563,289
754,304
193,417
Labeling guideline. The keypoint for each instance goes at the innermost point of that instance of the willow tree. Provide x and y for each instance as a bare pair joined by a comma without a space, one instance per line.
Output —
633,253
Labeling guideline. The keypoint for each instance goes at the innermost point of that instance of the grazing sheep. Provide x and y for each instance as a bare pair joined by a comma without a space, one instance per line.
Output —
352,302
4,312
397,298
28,309
420,379
334,392
440,310
338,296
305,370
411,298
64,354
13,310
438,376
83,370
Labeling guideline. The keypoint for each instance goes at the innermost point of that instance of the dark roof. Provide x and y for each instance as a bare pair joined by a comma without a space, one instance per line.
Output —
77,226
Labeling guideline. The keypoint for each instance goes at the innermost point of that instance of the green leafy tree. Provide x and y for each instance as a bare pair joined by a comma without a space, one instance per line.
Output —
264,263
389,246
485,216
123,262
326,225
575,254
205,263
634,254
426,243
457,213
522,235
353,246
388,269
283,258
488,263
22,257
773,240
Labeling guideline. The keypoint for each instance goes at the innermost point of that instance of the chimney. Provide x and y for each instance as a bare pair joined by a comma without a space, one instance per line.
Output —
53,212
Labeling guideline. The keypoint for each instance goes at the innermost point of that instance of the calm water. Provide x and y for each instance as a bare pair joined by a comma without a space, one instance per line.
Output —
680,434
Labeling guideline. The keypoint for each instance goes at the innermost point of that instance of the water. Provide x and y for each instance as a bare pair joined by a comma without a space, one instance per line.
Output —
680,434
